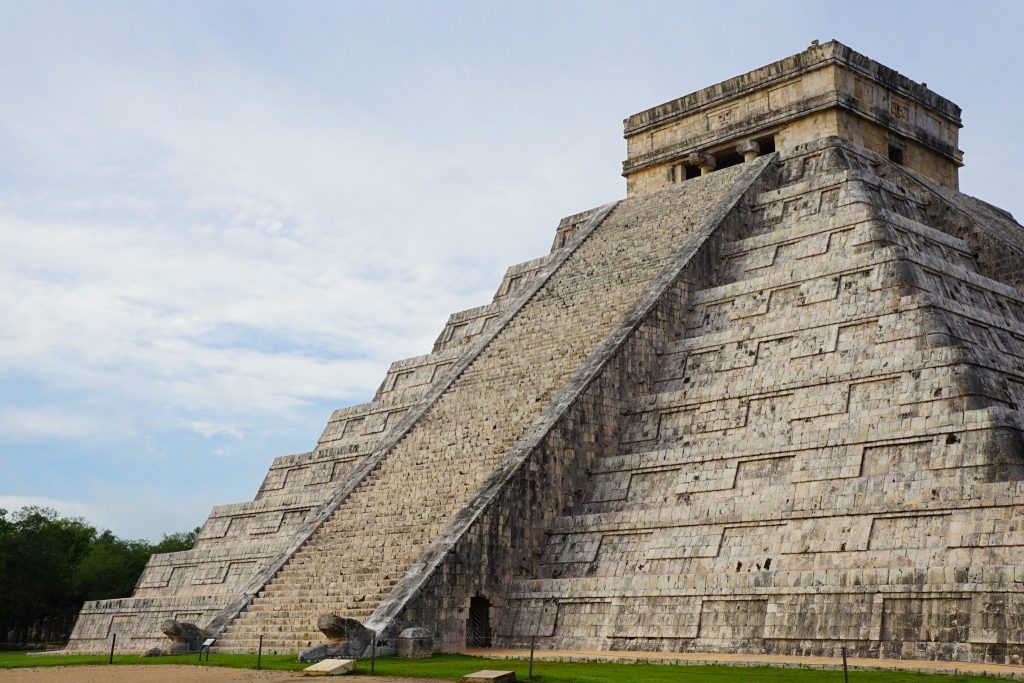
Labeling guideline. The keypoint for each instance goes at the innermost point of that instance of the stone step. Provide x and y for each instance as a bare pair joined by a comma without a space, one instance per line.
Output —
301,598
252,635
329,594
289,622
276,631
333,590
270,646
303,604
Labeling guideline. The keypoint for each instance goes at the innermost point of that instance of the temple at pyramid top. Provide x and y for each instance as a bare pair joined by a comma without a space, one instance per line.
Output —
828,89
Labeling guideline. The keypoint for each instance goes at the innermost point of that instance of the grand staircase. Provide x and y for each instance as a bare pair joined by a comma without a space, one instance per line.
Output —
375,535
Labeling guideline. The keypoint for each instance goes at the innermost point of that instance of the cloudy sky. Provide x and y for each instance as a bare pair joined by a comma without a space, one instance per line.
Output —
221,220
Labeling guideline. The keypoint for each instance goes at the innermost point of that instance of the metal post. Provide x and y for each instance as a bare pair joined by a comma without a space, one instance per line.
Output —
259,655
846,672
533,644
113,641
200,654
373,651
207,654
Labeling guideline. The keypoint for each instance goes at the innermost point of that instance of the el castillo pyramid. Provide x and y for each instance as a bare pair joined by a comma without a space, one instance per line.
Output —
768,402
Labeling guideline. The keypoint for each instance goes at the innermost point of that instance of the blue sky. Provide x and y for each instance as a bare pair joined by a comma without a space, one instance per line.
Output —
220,220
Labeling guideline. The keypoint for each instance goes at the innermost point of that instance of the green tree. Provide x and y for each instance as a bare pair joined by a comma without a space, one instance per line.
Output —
172,543
40,552
49,565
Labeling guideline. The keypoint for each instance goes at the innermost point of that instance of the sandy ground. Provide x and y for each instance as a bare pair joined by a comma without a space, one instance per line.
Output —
169,674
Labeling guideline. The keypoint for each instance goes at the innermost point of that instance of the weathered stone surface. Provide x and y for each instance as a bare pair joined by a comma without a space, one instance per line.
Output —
337,650
416,632
185,637
828,89
338,628
774,408
331,667
414,643
490,676
348,637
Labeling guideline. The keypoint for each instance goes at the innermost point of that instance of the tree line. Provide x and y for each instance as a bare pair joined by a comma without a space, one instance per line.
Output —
50,565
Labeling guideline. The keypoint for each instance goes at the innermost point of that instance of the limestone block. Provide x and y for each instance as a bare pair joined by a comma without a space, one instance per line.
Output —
338,650
490,676
415,643
331,667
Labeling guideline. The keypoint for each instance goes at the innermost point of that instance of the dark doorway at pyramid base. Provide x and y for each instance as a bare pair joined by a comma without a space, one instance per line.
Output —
478,626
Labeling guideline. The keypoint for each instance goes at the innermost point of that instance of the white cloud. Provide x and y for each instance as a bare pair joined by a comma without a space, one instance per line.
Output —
50,422
240,307
208,430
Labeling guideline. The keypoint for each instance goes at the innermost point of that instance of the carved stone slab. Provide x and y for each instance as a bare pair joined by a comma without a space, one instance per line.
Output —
490,676
332,667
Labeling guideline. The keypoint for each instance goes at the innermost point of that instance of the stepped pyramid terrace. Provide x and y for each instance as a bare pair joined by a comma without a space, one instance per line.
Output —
770,402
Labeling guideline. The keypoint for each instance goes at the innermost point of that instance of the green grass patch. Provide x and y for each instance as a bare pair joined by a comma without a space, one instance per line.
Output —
454,667
14,660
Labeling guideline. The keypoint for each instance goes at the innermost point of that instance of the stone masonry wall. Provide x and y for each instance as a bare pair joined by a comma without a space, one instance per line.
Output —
831,455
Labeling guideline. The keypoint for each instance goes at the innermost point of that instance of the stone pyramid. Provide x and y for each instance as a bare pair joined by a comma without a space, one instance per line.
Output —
769,402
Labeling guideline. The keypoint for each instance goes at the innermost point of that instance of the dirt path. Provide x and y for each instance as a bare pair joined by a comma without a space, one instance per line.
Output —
168,674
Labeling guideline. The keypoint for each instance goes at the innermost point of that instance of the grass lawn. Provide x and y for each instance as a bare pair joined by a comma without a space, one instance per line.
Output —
10,660
453,667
